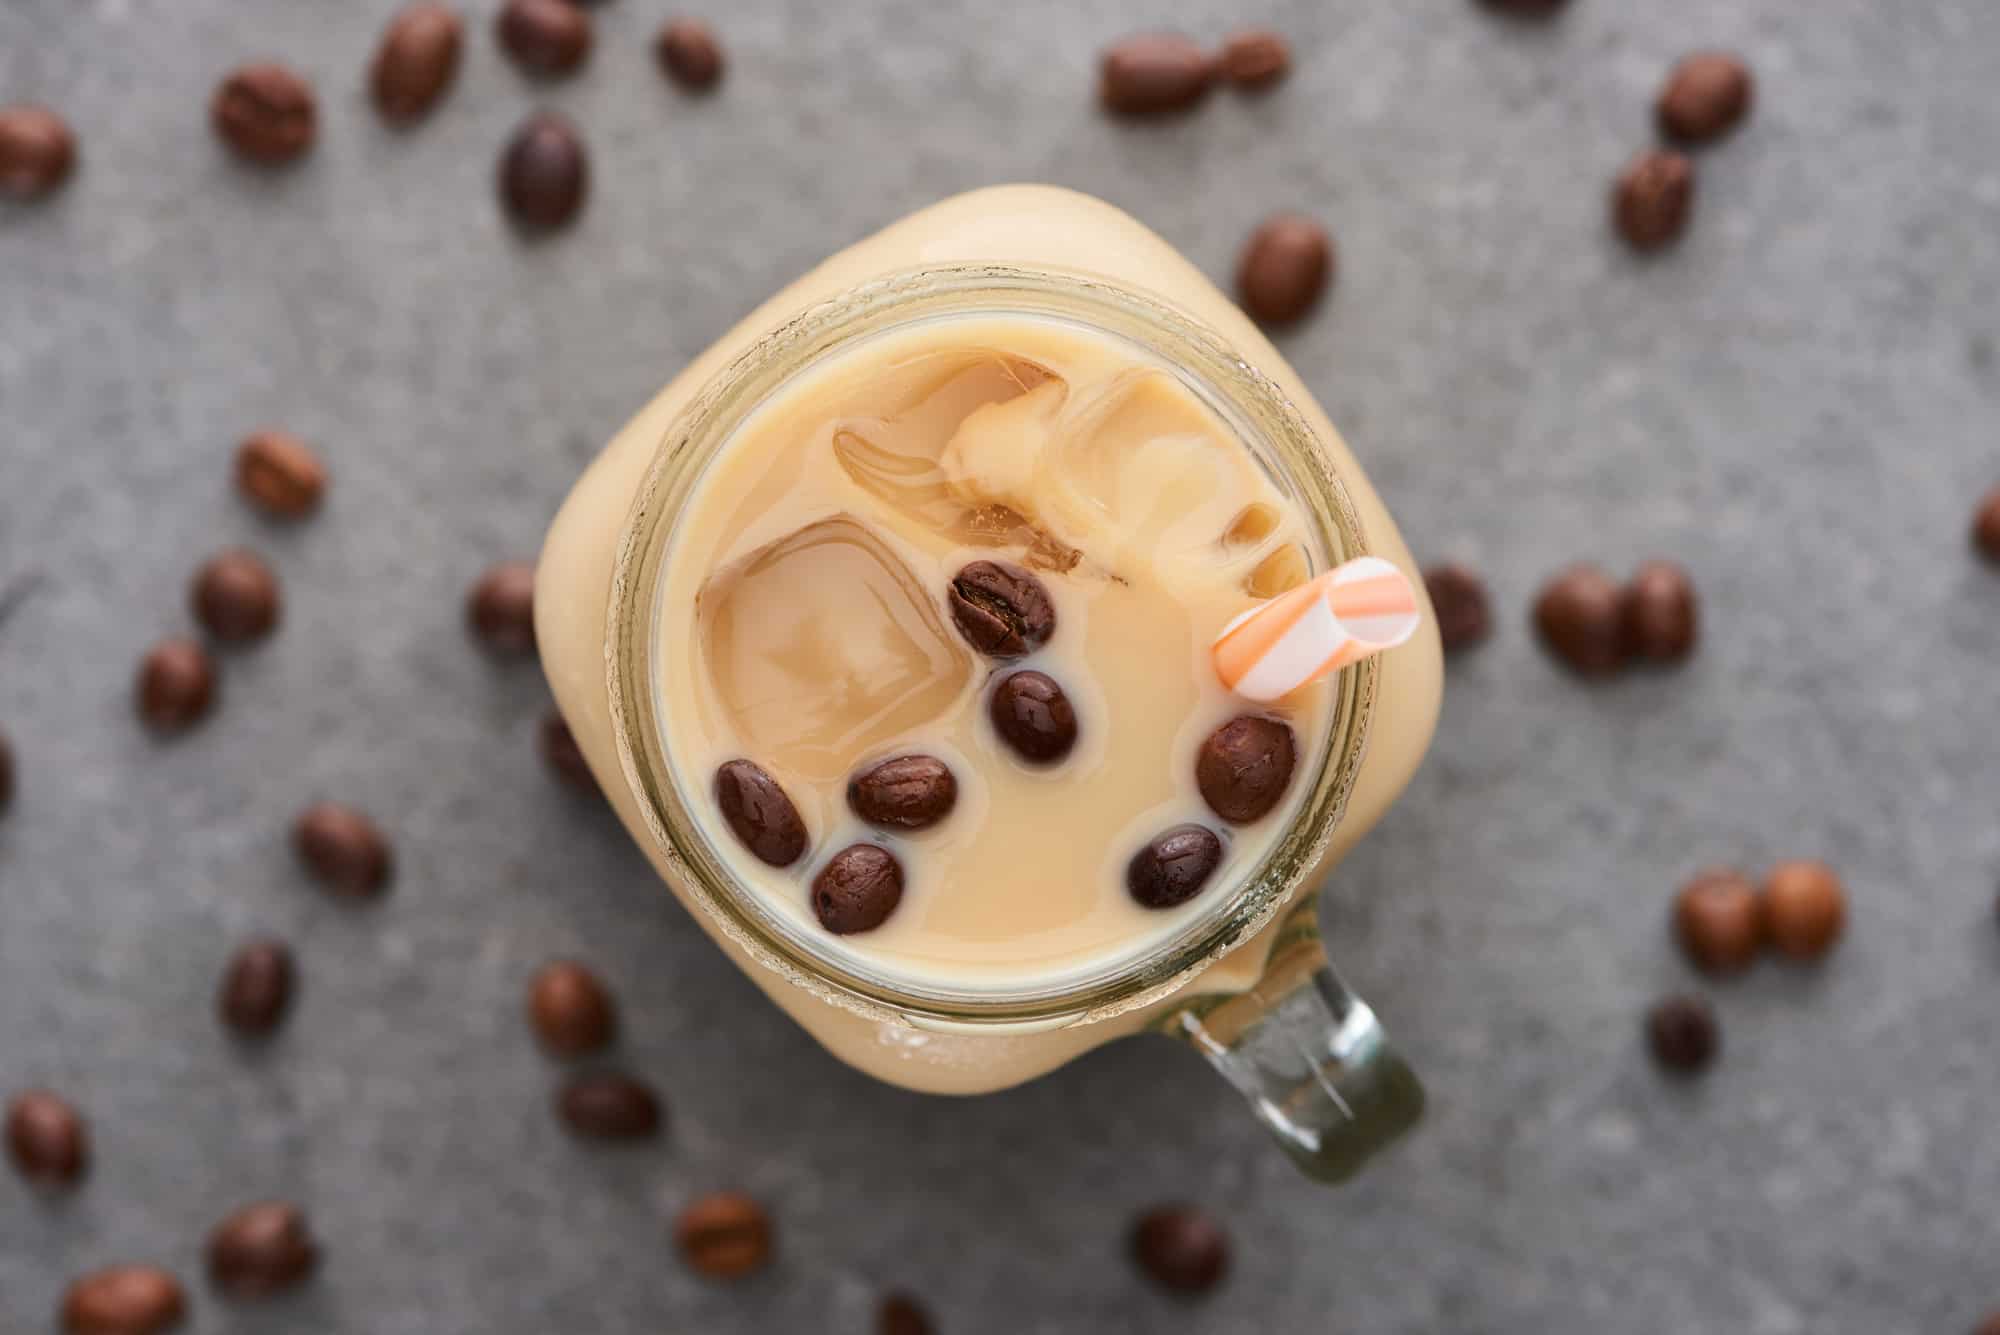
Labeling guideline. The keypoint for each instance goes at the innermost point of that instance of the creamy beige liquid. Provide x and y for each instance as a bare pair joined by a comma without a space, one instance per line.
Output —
806,628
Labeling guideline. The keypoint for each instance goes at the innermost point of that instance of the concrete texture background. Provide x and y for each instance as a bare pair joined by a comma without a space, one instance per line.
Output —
1798,403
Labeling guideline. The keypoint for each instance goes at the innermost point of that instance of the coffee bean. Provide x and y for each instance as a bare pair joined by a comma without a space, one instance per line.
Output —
1652,200
545,173
501,608
564,757
1525,8
1285,266
176,685
1458,596
545,36
261,1250
1173,868
759,812
342,849
47,1139
236,597
1181,1247
689,53
1805,908
256,988
123,1300
900,1314
1580,615
1683,1033
725,1235
1001,610
609,1106
1256,58
279,474
37,151
1661,620
266,114
857,889
1719,922
1707,95
1245,766
416,61
6,773
1990,1326
1032,715
904,793
1154,73
1986,526
571,1010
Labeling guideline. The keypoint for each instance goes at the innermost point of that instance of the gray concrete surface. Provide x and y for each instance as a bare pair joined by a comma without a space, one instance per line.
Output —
1799,403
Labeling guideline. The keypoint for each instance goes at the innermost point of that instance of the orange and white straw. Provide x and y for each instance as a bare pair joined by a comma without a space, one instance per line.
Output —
1332,620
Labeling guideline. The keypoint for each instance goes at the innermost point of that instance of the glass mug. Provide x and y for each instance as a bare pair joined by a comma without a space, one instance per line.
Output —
1247,982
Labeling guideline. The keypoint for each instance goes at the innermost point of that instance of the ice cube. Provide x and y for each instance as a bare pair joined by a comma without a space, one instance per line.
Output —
823,645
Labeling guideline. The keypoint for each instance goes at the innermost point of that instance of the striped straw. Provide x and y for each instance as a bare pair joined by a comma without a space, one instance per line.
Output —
1330,621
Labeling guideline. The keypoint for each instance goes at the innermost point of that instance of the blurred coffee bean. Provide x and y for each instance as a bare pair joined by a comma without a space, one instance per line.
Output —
1181,1247
1683,1034
256,989
47,1139
176,685
760,813
261,1250
6,773
1581,616
609,1106
1285,266
1458,595
1173,868
1033,716
1719,922
1986,526
342,849
123,1300
416,61
1001,610
1154,73
545,37
1805,908
1244,767
689,53
1525,8
725,1235
1256,58
279,474
900,1314
236,598
545,172
571,1009
1661,615
857,890
266,114
1706,96
904,792
564,757
501,608
37,151
1652,199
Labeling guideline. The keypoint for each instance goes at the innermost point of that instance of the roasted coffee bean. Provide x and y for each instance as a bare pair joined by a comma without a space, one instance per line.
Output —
501,608
37,151
1719,922
176,685
1661,618
1805,908
1990,1326
266,114
1707,95
545,37
1986,526
724,1235
1245,766
1581,615
235,597
261,1250
6,773
1652,200
342,849
47,1139
564,757
904,793
1154,73
256,988
545,173
279,474
1033,716
857,889
1181,1247
123,1300
1683,1033
1458,596
688,52
900,1314
1525,8
1173,868
571,1010
1001,610
760,813
609,1106
416,61
1256,58
1286,265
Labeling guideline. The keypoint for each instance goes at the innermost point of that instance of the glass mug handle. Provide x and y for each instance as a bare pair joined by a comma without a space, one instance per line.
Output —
1308,1055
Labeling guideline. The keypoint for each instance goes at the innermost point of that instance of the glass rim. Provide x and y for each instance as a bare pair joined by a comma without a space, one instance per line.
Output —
1252,405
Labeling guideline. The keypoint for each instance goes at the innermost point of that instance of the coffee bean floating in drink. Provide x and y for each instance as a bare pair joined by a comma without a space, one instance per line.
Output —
342,849
176,686
610,1106
1173,868
1707,95
544,172
1181,1247
1652,199
37,152
47,1139
256,989
1581,617
279,474
724,1235
571,1010
857,890
1001,610
416,62
1245,766
904,792
760,813
266,114
1033,716
124,1300
261,1250
1154,73
236,598
545,37
1719,922
689,53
